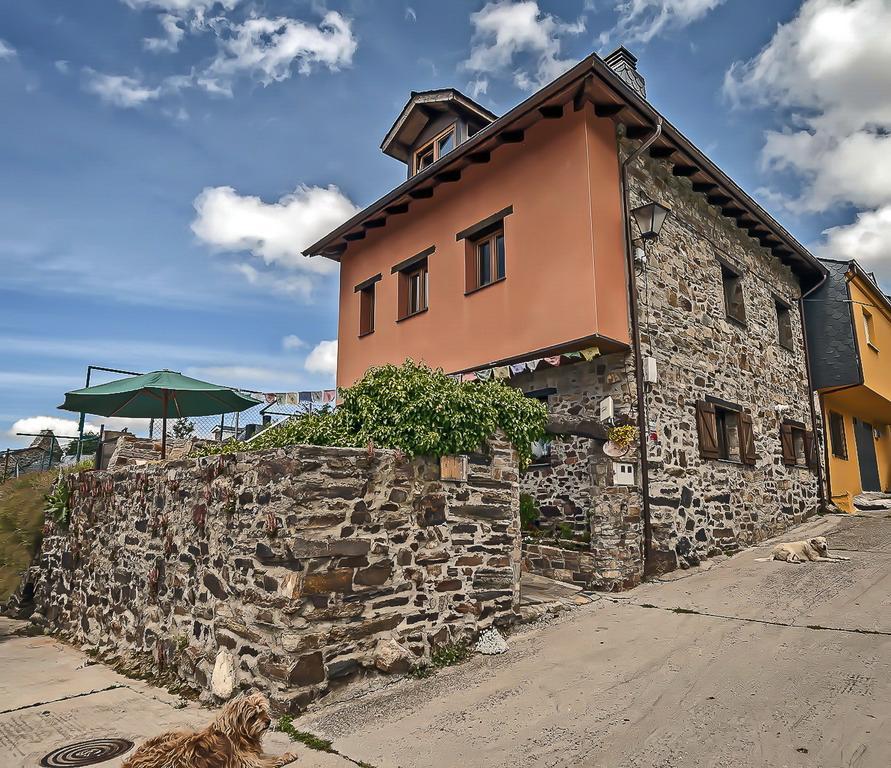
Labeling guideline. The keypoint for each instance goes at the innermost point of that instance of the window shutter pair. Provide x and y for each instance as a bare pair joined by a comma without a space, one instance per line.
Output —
707,427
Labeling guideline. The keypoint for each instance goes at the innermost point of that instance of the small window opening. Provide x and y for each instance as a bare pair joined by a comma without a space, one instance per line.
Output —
837,438
366,310
784,325
489,261
734,305
413,288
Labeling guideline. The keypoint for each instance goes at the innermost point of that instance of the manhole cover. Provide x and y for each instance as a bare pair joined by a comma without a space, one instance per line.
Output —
86,753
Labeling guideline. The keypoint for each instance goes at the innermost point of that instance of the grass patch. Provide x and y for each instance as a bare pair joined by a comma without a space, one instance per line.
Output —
444,656
286,725
21,525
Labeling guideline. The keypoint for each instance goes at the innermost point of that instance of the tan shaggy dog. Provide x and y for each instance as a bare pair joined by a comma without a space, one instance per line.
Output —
815,550
232,740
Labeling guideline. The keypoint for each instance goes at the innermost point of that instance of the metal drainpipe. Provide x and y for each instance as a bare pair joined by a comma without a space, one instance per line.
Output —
810,393
635,342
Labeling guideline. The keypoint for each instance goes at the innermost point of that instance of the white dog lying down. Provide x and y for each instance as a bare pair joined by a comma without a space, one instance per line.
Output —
814,549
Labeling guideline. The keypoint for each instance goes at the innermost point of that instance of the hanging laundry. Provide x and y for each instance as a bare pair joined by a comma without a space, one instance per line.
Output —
533,364
468,377
517,368
291,398
573,355
553,360
329,395
316,398
501,372
305,397
590,353
485,374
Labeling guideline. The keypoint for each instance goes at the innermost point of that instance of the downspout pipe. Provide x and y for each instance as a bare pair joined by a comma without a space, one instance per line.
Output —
643,432
824,490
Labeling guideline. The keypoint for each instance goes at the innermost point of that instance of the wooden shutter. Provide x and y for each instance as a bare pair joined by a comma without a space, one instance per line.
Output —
746,438
787,444
707,427
810,450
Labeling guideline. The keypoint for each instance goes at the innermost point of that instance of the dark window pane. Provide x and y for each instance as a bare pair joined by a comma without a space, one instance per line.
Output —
425,158
414,292
499,257
484,262
446,143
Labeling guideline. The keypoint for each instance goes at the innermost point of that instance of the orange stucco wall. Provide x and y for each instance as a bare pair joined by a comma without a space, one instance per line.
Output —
870,402
565,263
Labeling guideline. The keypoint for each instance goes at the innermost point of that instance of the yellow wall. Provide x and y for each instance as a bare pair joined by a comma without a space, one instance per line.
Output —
876,358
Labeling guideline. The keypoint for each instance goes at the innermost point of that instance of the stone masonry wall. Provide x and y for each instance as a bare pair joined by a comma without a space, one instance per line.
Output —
700,506
290,570
576,485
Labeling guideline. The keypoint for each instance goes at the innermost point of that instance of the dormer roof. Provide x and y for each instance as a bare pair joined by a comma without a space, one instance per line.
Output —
424,107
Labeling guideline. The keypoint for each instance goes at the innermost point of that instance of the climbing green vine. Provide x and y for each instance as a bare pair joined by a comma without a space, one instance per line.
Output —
416,409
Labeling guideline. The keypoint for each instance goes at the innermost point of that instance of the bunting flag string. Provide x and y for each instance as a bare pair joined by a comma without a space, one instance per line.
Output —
308,397
501,372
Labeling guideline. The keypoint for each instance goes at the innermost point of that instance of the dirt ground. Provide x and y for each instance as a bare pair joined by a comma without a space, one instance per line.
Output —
739,664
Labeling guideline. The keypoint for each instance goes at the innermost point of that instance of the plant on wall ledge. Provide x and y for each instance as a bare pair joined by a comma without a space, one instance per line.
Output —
415,409
623,436
58,506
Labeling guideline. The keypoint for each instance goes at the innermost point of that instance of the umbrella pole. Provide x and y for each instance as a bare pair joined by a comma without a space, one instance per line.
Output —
164,426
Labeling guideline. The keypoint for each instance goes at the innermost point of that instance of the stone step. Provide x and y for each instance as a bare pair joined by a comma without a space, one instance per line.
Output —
872,501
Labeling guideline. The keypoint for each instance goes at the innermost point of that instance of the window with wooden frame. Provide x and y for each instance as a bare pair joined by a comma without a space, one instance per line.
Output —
837,439
435,149
784,324
799,448
366,291
725,432
485,255
413,286
734,305
869,330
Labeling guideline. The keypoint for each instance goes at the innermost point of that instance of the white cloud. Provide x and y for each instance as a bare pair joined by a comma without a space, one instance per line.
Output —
410,14
173,35
270,47
865,239
274,232
62,66
642,20
478,87
270,281
323,358
506,32
6,50
292,342
119,90
182,7
61,427
829,71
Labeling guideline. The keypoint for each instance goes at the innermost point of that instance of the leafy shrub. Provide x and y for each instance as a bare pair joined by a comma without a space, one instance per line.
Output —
416,409
528,512
57,502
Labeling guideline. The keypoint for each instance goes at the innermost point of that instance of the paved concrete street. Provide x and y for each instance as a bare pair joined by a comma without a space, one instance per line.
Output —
743,664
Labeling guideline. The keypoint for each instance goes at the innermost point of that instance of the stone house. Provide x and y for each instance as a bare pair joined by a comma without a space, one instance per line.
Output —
43,453
582,248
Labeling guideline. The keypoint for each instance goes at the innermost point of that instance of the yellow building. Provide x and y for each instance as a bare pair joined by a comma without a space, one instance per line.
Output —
849,335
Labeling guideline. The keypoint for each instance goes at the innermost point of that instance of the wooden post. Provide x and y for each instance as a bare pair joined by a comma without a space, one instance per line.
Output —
164,426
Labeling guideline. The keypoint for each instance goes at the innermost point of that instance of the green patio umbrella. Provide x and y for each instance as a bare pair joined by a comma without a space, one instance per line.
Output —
157,395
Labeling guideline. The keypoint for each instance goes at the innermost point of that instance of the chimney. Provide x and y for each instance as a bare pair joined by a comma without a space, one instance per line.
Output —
624,64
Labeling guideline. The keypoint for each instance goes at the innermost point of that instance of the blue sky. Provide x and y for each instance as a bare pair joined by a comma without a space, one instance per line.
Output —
164,161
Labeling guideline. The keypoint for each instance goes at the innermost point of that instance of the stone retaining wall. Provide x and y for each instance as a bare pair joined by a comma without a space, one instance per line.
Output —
290,570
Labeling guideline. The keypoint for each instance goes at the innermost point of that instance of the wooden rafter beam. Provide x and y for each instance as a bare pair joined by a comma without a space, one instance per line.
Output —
551,111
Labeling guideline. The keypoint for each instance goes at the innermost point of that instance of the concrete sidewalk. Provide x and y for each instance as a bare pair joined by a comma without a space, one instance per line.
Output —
51,695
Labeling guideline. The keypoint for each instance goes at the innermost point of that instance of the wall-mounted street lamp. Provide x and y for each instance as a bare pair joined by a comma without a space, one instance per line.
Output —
650,218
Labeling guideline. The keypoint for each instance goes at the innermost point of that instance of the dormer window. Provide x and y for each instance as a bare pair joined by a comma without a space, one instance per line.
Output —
433,150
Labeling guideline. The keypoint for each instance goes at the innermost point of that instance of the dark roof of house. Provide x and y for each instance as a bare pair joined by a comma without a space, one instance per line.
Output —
590,81
852,265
